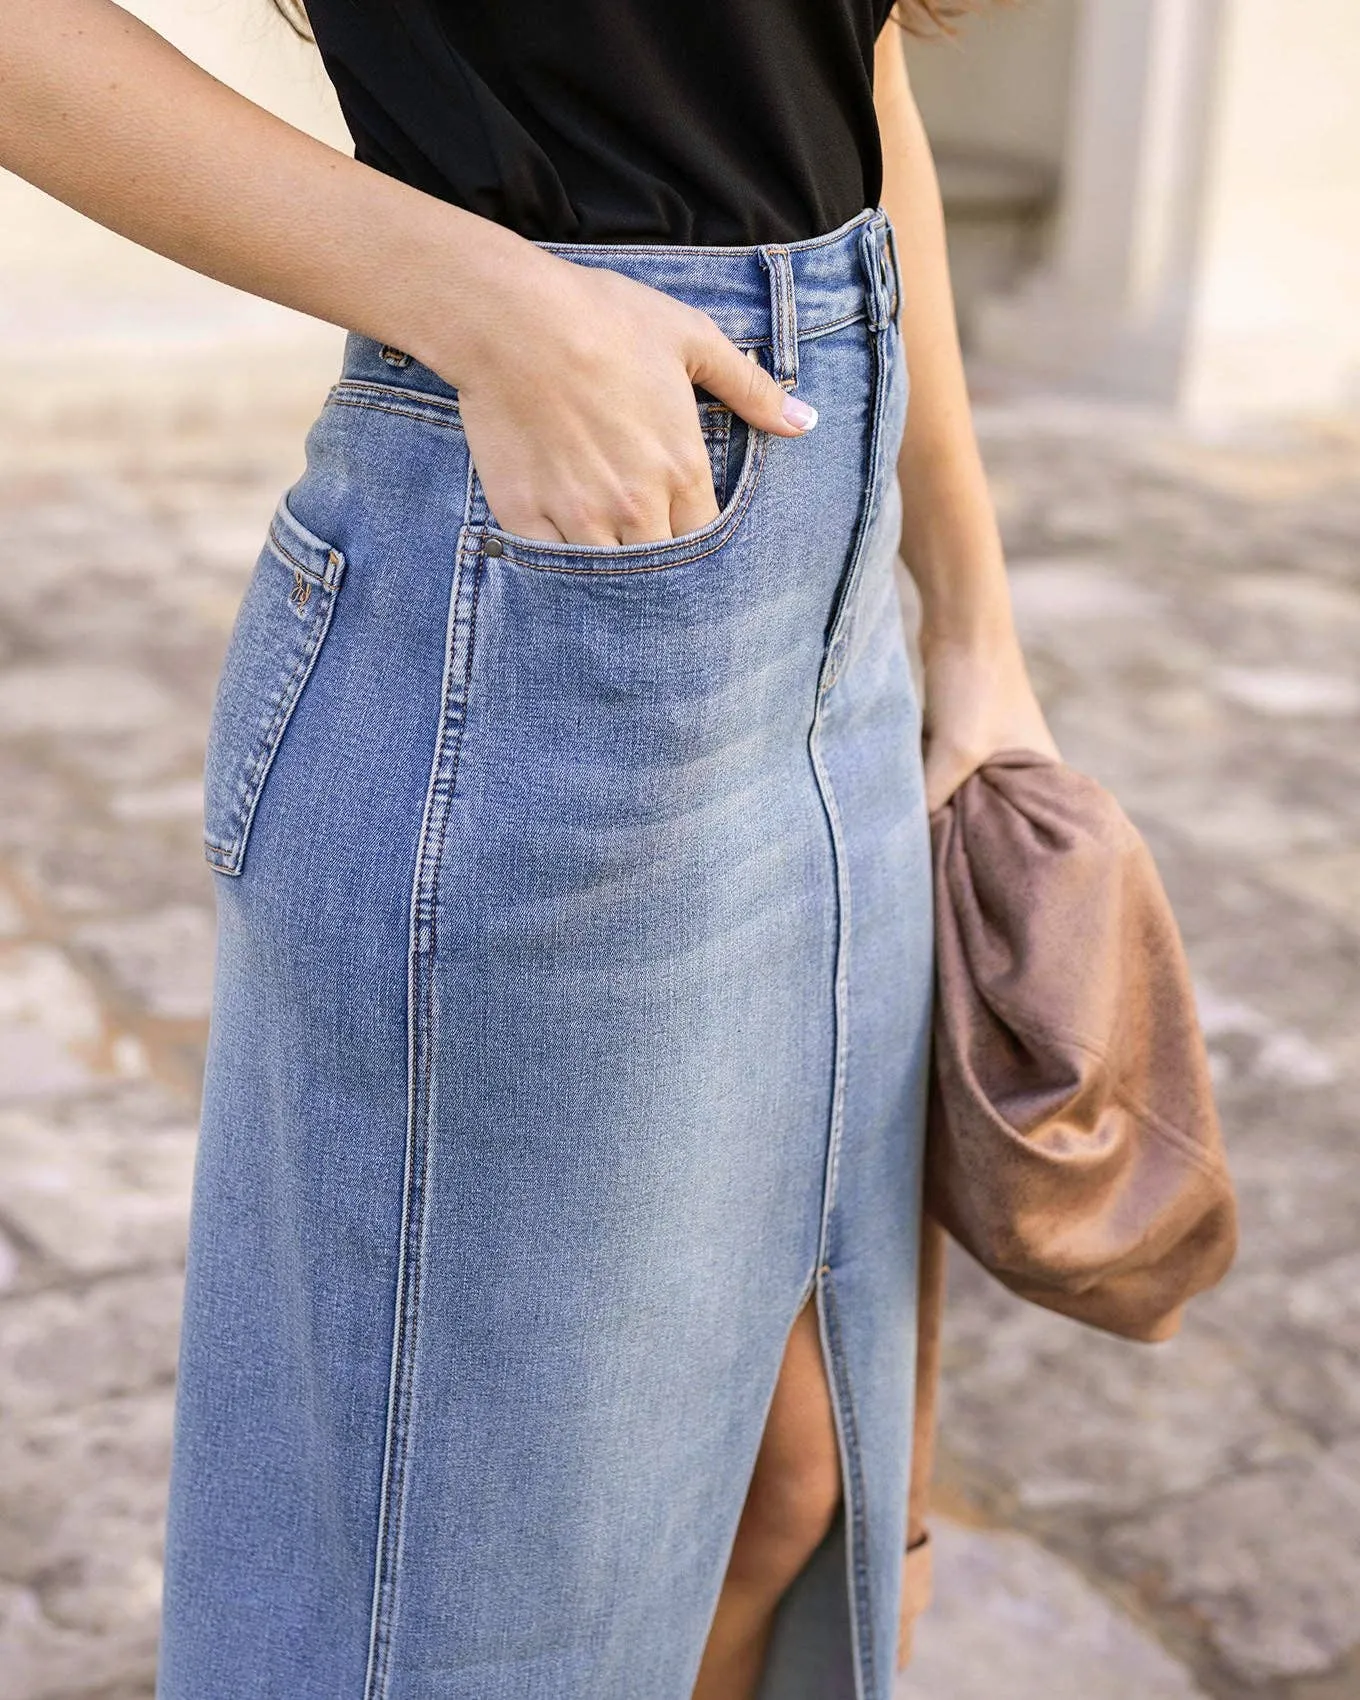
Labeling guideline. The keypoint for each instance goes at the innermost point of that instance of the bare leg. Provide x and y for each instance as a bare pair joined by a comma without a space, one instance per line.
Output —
792,1500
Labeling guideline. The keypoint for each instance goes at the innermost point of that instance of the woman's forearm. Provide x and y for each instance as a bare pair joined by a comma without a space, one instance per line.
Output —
950,541
103,113
576,384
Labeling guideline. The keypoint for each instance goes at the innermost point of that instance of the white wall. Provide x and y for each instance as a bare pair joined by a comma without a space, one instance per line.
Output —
995,99
1206,254
1002,84
1276,322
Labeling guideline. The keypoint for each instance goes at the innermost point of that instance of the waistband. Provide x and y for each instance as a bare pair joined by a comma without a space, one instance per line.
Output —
768,295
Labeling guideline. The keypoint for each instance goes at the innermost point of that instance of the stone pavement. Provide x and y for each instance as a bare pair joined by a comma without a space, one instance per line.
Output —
1117,1522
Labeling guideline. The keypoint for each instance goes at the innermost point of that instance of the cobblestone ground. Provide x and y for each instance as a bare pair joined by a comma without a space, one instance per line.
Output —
1117,1523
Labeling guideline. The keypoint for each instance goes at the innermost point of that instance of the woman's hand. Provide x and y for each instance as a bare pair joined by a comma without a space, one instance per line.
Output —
978,700
576,383
577,396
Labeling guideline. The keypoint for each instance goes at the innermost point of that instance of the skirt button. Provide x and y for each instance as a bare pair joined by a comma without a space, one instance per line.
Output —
493,546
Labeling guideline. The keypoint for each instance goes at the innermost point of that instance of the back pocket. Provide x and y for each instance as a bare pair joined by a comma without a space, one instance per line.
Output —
282,621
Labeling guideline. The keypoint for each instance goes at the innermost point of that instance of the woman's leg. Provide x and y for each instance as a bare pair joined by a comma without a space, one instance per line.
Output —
791,1503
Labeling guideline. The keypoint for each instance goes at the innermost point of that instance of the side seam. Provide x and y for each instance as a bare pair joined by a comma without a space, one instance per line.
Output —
857,1559
460,632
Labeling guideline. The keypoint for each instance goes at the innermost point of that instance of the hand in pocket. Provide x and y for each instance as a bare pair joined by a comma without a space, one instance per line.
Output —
581,413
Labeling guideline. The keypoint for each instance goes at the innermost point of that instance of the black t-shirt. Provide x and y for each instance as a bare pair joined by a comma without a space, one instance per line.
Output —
680,121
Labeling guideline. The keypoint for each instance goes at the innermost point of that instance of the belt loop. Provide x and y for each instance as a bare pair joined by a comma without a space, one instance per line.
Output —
783,314
874,263
896,308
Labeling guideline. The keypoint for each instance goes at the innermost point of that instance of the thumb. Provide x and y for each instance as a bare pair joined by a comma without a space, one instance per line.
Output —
747,388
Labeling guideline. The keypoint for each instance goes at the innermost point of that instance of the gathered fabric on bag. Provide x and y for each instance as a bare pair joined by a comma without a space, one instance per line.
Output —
1074,1147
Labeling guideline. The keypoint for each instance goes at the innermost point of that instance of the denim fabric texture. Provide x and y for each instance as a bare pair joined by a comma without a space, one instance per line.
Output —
570,1029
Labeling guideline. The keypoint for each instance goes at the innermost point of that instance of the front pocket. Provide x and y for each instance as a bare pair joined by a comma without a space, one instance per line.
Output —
280,626
736,454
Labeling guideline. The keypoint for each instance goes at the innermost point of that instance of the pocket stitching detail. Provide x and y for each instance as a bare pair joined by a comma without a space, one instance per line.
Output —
228,856
418,413
328,576
250,784
602,565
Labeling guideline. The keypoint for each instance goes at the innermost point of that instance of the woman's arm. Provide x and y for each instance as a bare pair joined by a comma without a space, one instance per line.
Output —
575,383
978,698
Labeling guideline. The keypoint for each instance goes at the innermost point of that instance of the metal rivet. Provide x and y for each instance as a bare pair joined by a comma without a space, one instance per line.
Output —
493,546
394,356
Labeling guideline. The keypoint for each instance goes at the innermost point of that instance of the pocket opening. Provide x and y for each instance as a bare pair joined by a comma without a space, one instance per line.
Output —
731,442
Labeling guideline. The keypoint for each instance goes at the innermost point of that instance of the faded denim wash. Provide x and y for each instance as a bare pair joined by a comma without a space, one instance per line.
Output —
570,1029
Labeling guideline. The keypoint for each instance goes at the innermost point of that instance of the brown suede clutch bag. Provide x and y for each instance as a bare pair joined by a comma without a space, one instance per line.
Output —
1072,1145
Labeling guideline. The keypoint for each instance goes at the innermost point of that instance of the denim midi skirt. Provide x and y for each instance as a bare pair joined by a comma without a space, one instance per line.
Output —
569,1032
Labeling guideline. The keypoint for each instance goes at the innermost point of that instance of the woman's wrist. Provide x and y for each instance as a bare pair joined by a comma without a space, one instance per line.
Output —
966,611
978,630
456,307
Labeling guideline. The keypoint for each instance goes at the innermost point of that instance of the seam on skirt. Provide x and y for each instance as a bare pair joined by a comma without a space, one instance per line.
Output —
424,414
422,941
275,539
857,1580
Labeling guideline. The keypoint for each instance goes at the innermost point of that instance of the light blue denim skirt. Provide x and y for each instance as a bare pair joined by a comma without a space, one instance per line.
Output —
569,1032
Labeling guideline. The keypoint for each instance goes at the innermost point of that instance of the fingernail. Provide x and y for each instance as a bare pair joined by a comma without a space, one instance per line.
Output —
799,413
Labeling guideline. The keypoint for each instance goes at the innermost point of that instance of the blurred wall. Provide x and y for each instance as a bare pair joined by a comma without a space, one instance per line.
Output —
996,102
1276,321
68,287
1206,247
1001,84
